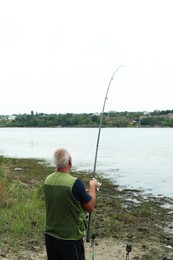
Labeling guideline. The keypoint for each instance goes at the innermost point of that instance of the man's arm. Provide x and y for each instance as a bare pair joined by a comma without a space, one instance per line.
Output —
93,185
86,198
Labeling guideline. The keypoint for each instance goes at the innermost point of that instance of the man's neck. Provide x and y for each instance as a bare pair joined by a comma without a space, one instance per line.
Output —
66,170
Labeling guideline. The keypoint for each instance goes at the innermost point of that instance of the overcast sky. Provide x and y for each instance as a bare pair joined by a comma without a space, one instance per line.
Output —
59,56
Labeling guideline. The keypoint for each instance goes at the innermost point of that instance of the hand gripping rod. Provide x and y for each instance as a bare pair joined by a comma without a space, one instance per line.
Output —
97,145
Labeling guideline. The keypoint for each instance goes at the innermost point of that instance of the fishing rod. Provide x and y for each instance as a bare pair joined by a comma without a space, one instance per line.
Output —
97,145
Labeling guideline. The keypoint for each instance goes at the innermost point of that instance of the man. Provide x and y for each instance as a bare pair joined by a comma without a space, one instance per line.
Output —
66,204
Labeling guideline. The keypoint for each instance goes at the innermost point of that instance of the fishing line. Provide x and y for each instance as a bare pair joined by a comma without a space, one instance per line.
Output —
97,145
165,256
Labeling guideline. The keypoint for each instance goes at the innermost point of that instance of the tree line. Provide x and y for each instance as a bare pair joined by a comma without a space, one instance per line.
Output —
156,118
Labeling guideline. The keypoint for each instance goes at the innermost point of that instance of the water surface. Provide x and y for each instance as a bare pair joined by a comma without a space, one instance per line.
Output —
132,157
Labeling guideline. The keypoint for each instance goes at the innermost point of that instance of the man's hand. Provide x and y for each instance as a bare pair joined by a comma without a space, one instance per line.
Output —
93,187
96,184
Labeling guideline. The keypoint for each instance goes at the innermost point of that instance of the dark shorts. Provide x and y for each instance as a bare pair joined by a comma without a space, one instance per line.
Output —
58,249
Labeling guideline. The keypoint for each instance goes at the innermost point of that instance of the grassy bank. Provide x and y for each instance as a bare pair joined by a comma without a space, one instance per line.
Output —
125,215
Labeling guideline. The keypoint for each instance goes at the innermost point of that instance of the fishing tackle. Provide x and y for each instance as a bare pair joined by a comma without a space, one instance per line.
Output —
93,236
97,145
128,246
128,250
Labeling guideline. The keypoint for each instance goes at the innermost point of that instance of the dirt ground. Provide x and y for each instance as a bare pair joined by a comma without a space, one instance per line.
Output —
103,249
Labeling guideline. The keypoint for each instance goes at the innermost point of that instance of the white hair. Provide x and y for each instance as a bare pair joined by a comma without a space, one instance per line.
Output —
61,158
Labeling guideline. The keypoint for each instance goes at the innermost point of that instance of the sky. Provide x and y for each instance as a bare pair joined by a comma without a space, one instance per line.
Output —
59,56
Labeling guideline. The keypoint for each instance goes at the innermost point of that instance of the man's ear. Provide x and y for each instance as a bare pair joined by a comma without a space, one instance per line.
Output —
70,162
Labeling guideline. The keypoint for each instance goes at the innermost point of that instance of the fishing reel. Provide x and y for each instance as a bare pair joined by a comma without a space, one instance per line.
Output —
99,184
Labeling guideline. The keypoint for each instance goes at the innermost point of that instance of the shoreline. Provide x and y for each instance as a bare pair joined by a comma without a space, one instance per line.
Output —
121,216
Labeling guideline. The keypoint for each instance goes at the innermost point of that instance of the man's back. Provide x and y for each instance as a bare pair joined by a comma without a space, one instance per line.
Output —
65,217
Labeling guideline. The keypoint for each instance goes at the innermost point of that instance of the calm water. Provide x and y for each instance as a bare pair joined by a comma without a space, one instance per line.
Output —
134,158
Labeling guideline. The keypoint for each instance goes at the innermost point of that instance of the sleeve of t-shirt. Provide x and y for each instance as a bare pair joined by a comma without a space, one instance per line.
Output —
80,193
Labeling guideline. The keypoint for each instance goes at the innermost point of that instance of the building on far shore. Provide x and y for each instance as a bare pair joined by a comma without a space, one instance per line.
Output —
7,118
11,117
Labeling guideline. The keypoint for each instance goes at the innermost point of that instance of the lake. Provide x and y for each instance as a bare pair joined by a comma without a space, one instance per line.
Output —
140,158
